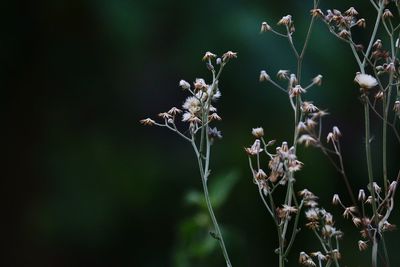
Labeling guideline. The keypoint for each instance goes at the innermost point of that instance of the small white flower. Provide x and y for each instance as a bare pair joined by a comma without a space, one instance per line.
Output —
365,81
258,132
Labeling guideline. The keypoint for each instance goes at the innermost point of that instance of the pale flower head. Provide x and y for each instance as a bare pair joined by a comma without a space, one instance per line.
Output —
258,132
365,81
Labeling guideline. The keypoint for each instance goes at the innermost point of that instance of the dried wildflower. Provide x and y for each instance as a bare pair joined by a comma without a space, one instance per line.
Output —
349,211
351,12
164,115
361,23
289,209
313,225
229,55
297,90
379,95
214,117
362,245
387,14
336,133
213,133
361,195
286,20
392,187
208,56
302,127
305,260
356,221
148,122
391,68
365,81
316,12
292,80
328,218
345,34
261,175
335,254
396,106
264,76
312,214
319,255
307,140
328,230
308,107
305,193
184,84
388,226
192,104
335,199
377,44
173,111
258,132
376,187
329,137
265,27
254,149
200,85
317,80
283,74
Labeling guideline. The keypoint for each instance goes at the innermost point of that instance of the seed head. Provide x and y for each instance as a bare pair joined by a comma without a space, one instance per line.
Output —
229,55
351,12
379,95
184,85
265,27
317,80
356,221
297,90
316,12
361,195
365,81
148,122
387,14
260,175
173,111
258,132
264,76
396,106
362,245
377,44
213,133
335,199
308,107
392,187
361,23
164,115
336,133
208,56
307,140
283,74
286,20
319,255
200,85
254,149
345,34
214,117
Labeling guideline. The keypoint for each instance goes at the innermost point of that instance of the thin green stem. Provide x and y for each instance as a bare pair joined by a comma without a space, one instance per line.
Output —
368,156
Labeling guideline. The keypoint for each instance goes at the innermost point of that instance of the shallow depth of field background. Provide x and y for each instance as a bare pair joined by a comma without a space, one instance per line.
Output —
85,185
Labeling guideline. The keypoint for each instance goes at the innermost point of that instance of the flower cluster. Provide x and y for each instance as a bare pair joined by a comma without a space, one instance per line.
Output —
322,224
371,226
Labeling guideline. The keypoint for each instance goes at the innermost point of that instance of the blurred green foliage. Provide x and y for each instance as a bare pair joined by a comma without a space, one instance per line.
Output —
194,247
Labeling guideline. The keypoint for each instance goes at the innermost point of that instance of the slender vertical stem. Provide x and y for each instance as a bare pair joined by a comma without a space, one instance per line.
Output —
368,156
374,252
372,40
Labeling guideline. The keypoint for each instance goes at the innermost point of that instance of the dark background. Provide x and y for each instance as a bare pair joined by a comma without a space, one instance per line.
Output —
85,185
